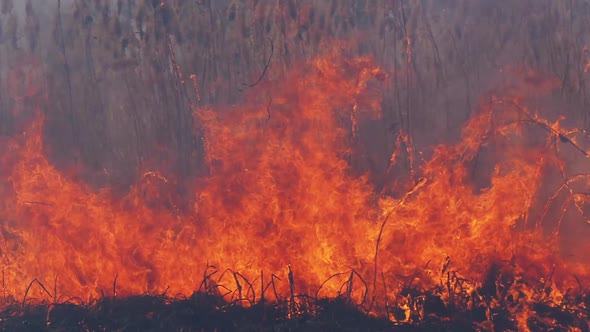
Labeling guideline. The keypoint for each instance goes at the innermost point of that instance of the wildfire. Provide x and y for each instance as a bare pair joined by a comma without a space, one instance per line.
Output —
282,197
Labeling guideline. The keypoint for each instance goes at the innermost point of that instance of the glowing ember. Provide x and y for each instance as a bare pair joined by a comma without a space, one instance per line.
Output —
281,197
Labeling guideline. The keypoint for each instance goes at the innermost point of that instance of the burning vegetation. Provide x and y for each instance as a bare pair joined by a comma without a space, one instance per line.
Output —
311,165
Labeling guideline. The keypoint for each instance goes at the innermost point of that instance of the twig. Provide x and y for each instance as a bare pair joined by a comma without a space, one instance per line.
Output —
385,292
69,299
562,212
29,288
418,185
317,294
548,279
272,50
38,203
238,285
582,289
55,289
349,285
530,118
207,277
229,291
292,292
262,286
437,59
365,293
268,109
250,287
115,286
223,274
413,276
409,63
47,314
449,290
66,66
446,265
272,283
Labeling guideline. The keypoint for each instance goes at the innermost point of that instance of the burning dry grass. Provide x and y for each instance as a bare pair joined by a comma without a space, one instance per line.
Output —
496,305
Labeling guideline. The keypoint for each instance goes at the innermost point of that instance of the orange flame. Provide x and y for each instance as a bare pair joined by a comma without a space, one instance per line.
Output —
281,197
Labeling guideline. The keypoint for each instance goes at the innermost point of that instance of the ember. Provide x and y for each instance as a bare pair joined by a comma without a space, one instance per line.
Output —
270,195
